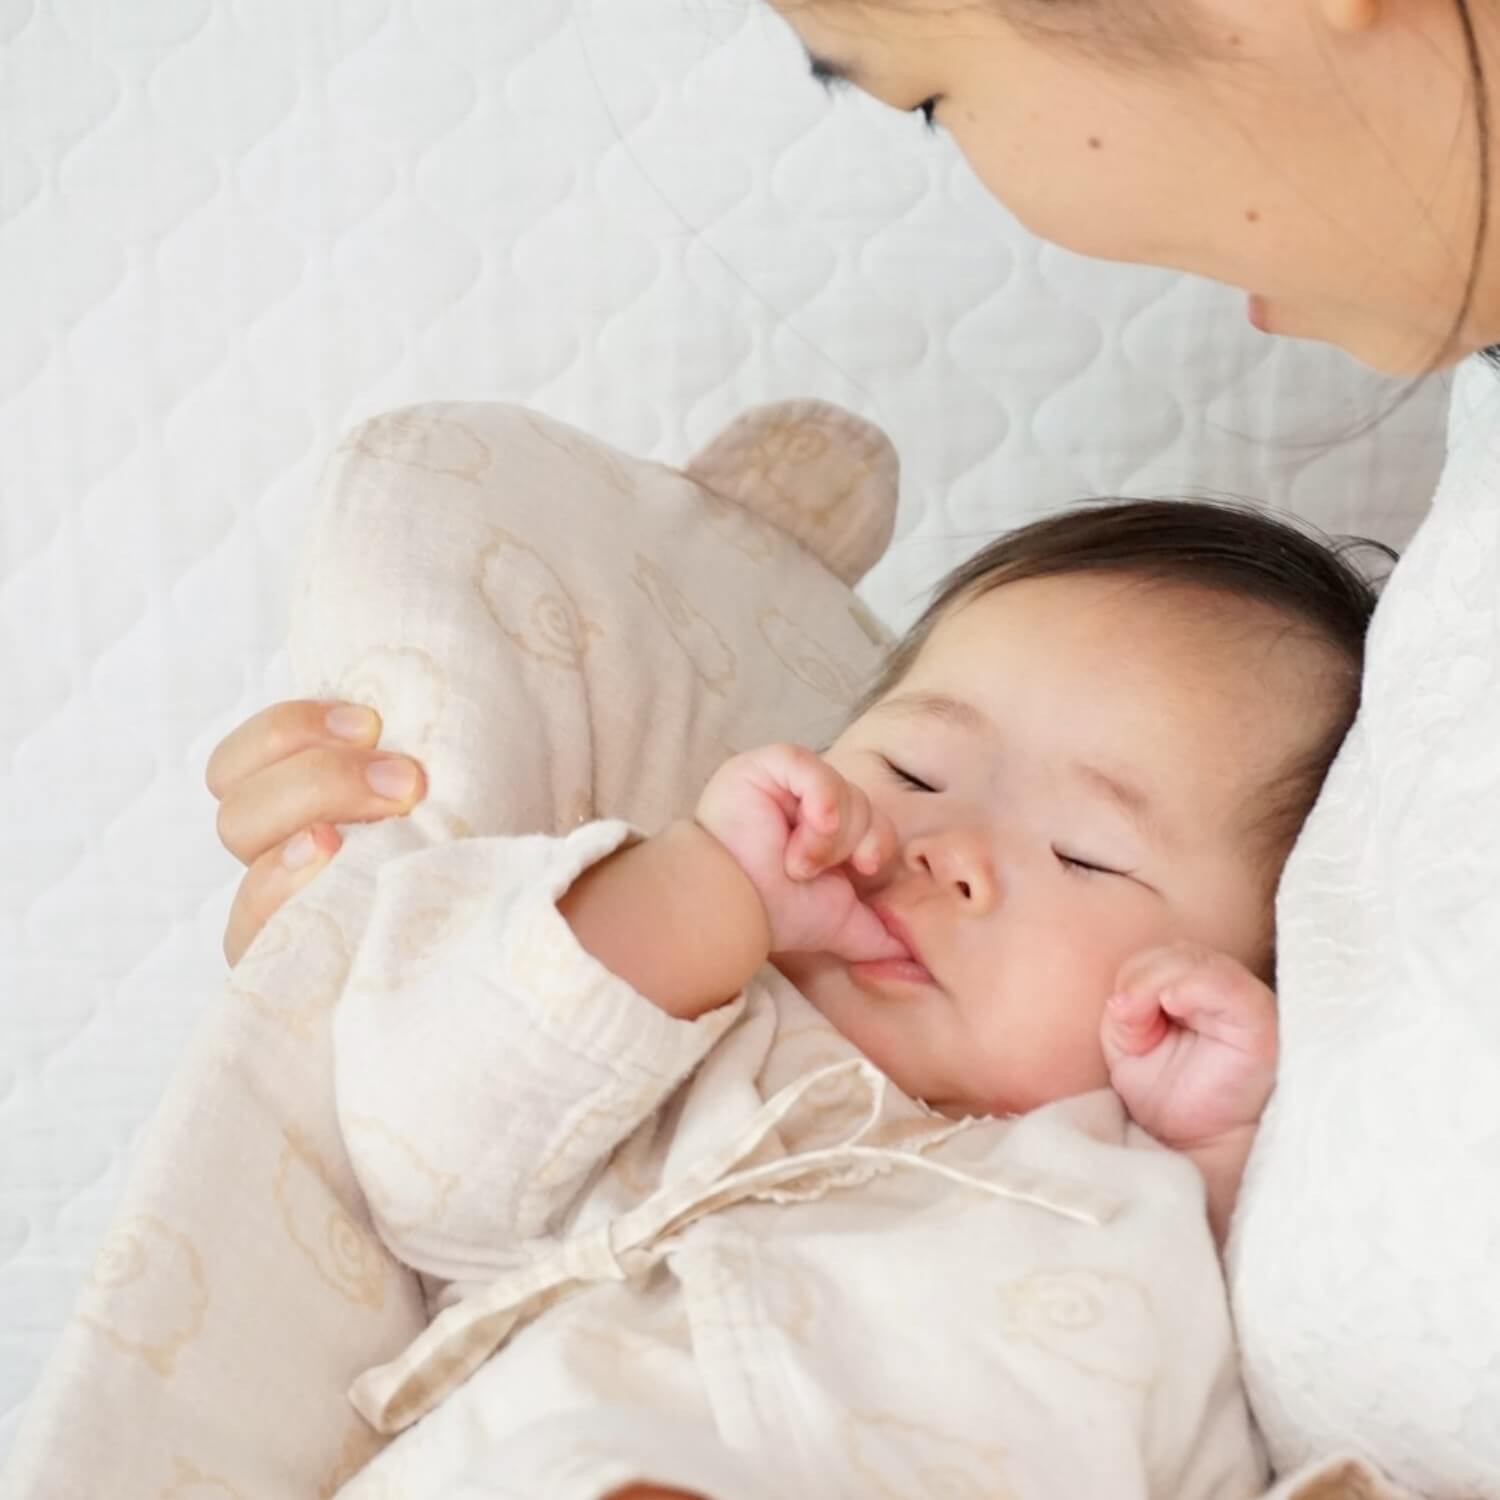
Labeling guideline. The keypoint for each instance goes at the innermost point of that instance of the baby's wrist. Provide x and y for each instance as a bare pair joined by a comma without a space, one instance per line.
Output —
675,917
707,860
731,926
1221,1161
1223,1146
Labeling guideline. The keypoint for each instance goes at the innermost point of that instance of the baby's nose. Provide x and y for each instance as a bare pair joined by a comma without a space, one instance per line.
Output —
960,863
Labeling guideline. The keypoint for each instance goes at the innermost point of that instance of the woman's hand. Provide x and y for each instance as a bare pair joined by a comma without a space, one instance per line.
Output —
800,832
282,780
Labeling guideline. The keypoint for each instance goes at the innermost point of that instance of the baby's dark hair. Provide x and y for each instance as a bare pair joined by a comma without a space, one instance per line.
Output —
1233,549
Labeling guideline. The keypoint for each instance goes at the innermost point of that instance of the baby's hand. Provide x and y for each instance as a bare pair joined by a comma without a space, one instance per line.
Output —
1190,1039
794,826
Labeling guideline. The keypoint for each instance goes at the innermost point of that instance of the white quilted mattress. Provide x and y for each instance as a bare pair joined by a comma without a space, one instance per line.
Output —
227,231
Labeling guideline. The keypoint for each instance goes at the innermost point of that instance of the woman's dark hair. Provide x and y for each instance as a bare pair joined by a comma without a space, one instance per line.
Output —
1236,550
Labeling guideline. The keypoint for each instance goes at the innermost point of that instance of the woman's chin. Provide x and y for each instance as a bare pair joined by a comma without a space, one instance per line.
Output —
1399,350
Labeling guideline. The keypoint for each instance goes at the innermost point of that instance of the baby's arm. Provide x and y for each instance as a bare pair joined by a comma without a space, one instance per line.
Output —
1190,1037
485,1065
675,916
518,1007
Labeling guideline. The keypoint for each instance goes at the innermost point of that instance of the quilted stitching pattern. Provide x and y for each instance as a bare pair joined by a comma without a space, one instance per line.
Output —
227,232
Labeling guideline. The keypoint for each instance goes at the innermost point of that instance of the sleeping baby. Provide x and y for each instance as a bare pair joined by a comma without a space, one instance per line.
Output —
870,1133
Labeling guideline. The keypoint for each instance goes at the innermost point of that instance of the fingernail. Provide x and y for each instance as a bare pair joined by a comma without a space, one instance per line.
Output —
395,779
351,723
301,851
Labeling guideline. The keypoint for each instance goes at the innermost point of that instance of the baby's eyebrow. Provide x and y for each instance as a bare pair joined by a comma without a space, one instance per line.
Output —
1127,796
941,706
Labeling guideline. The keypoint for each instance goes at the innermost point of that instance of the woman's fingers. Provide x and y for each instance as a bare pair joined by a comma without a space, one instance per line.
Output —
283,778
320,784
279,873
282,730
278,821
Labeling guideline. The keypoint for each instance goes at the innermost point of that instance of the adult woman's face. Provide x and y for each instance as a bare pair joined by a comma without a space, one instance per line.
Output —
1320,154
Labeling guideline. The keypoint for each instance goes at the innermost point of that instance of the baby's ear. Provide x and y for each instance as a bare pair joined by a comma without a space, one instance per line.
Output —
828,477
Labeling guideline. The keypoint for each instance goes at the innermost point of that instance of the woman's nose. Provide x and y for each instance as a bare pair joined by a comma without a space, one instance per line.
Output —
960,863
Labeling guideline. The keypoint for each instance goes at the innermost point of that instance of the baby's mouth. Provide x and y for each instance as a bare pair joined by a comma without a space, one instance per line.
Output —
909,967
897,929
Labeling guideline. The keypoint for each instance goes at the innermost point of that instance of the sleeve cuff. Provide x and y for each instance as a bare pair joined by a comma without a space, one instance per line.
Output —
572,997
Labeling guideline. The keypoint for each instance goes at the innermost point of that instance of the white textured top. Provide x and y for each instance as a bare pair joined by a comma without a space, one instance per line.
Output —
1365,1261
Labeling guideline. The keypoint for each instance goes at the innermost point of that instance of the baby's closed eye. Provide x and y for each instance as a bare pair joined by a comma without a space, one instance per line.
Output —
1079,865
905,777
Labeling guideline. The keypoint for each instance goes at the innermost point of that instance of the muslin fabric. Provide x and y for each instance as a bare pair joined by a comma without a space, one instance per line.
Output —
556,630
729,1254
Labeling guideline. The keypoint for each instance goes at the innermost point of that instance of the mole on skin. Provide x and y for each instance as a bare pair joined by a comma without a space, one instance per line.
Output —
1252,216
1095,143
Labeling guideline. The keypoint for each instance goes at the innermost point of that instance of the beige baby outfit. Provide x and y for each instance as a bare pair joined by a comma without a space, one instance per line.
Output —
730,1255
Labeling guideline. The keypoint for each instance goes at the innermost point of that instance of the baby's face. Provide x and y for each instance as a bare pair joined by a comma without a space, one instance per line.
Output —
1072,767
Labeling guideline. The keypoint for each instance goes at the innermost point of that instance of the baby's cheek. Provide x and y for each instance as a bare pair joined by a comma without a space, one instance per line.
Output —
1230,907
1033,1057
1081,1068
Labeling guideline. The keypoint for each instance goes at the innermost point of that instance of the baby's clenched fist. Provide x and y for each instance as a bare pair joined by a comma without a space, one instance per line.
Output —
1190,1037
800,832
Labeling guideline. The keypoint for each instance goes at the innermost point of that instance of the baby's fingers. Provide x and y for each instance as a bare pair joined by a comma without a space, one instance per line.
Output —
831,823
1226,1003
878,847
1202,990
1133,1024
1154,969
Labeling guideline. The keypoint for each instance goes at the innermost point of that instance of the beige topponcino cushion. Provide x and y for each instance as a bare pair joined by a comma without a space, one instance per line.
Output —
558,632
